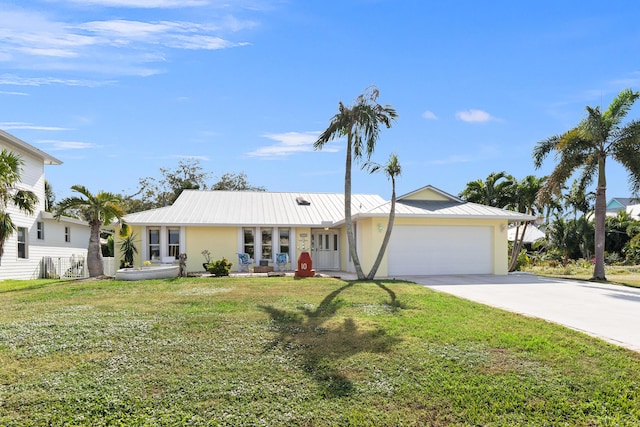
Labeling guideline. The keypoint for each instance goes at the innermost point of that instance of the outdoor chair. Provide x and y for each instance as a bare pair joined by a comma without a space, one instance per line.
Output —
244,261
281,261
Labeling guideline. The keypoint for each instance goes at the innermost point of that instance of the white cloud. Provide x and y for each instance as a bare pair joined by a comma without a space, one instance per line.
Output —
56,145
429,115
13,80
4,92
34,41
474,116
29,126
143,4
289,143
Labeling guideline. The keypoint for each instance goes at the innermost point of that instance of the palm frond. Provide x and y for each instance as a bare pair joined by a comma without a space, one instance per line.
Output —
627,152
620,106
26,201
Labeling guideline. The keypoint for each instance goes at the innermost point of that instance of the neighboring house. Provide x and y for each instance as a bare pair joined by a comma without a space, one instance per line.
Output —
618,204
434,232
40,235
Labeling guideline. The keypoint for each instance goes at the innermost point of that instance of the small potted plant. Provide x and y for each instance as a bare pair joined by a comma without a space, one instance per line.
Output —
207,259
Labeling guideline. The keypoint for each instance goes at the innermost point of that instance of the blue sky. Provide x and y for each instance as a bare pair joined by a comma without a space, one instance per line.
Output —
117,89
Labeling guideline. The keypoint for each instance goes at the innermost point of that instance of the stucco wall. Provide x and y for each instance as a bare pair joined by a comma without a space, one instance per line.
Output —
221,242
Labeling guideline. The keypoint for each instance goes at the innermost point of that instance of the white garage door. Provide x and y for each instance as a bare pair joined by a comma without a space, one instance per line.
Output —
429,250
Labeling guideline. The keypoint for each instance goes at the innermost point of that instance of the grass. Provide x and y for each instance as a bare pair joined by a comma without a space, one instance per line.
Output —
616,274
285,352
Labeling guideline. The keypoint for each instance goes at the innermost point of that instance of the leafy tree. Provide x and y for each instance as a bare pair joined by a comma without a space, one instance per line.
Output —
25,200
496,190
391,169
100,209
360,124
188,175
585,148
235,182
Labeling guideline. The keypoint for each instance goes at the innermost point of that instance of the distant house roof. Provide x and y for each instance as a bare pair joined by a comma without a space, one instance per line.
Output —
531,234
242,208
7,138
620,203
432,202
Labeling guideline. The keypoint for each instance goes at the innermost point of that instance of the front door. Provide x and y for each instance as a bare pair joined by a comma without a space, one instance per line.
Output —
325,250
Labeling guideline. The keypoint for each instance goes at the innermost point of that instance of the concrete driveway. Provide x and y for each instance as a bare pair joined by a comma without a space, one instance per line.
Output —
609,312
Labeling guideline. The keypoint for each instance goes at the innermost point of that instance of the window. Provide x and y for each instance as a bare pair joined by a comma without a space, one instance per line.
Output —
67,234
267,244
154,244
248,241
284,241
174,242
40,229
22,242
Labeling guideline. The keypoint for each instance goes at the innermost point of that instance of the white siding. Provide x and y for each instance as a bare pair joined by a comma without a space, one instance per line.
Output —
53,245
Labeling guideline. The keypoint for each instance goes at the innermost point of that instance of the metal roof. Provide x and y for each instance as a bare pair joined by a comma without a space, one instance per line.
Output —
447,209
239,208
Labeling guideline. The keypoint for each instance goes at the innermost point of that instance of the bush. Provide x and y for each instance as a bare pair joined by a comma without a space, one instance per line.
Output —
612,258
220,267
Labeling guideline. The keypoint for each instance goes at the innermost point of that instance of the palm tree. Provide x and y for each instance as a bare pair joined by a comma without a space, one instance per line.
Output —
98,210
496,190
561,236
586,147
391,169
25,200
524,198
578,199
360,123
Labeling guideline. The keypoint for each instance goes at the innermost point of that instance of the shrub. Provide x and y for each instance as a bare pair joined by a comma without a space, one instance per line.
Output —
220,267
612,258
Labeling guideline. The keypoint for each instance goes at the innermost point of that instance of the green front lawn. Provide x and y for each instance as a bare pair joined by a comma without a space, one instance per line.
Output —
285,352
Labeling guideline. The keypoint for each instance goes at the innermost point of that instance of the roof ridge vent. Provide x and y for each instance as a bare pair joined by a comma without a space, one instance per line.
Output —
301,201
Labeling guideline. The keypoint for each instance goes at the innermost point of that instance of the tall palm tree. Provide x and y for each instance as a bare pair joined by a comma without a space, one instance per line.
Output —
496,190
586,147
98,210
391,169
25,200
360,123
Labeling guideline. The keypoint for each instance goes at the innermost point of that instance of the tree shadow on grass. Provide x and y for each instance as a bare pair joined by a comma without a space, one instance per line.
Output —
319,338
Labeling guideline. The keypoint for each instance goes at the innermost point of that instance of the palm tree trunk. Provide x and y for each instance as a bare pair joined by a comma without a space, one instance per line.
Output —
517,247
347,212
600,215
94,251
387,234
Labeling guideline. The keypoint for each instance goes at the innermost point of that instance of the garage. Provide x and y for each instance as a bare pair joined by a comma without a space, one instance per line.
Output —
432,250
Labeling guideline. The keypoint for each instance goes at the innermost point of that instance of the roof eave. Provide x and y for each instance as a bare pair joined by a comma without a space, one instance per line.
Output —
46,158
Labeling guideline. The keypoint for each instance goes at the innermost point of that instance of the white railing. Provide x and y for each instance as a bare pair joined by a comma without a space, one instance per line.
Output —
74,267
